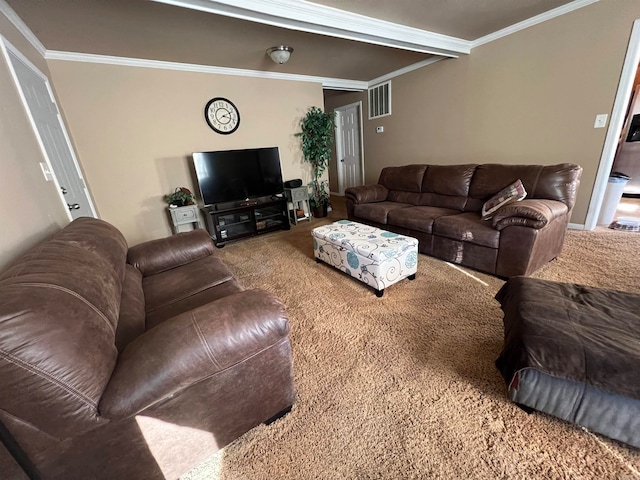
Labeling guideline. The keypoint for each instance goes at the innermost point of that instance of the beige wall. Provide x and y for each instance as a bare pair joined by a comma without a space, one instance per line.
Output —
135,129
530,97
32,208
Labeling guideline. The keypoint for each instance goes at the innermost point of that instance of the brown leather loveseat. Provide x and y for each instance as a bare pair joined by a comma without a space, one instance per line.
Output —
133,363
440,205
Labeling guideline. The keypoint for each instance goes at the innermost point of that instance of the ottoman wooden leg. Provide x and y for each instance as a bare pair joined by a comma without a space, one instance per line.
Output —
412,277
379,293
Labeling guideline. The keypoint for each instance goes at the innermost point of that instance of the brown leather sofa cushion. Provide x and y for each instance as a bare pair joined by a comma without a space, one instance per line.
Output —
490,178
378,212
558,182
407,178
467,227
447,186
368,193
410,198
197,299
131,322
418,218
529,213
165,288
192,347
58,318
97,236
164,254
552,182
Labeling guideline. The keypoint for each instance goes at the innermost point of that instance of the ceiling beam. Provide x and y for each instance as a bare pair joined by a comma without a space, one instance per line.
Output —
319,19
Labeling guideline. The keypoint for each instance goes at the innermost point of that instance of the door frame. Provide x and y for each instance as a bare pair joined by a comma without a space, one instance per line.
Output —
616,123
339,147
7,47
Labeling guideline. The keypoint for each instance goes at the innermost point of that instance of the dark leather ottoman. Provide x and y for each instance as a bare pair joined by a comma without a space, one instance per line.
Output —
573,351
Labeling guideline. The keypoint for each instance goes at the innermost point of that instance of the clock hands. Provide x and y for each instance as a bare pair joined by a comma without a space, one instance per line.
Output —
223,114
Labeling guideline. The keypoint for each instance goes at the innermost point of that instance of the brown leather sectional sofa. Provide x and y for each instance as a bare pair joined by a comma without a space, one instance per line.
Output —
440,205
133,363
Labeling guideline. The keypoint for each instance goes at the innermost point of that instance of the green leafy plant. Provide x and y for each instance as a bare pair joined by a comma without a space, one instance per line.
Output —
180,197
317,130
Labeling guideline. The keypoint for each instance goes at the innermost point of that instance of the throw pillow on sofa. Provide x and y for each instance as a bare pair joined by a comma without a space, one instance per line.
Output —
512,193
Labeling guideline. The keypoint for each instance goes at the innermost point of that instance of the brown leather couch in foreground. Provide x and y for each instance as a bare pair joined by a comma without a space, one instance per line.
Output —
440,205
133,363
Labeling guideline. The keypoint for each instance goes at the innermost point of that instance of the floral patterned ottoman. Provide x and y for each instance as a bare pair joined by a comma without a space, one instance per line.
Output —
375,257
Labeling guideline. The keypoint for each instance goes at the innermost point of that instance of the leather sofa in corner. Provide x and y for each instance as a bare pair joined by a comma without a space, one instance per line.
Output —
133,363
441,205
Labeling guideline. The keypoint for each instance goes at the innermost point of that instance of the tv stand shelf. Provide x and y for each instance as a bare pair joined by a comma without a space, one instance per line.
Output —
245,219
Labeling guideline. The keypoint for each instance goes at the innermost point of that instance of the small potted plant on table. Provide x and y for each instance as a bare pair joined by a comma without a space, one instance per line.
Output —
180,197
317,130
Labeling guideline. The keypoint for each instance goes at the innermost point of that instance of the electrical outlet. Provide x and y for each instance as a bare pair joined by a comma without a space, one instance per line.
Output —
379,129
601,121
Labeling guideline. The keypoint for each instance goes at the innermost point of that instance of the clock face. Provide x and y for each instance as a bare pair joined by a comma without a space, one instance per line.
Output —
222,115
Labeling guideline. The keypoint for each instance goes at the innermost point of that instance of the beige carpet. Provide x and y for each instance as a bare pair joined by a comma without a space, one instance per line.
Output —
404,386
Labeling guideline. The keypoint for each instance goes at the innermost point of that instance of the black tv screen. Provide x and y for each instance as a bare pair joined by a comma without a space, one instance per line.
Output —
237,175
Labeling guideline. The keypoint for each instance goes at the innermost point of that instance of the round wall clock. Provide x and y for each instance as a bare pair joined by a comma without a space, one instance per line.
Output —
222,115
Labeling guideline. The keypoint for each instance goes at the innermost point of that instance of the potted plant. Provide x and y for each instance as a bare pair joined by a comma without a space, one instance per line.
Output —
181,197
317,130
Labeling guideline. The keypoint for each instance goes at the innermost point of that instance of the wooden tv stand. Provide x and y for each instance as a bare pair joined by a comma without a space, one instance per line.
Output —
230,222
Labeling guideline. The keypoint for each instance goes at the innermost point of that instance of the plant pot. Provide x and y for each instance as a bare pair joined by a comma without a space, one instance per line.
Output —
319,211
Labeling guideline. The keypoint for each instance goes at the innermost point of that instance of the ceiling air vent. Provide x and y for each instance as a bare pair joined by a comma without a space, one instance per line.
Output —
380,100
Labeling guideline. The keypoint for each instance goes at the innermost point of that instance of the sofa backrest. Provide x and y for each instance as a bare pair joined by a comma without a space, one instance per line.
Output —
59,311
447,186
404,183
552,182
467,187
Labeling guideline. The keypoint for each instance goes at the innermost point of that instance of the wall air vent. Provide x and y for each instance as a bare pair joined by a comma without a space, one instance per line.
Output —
380,100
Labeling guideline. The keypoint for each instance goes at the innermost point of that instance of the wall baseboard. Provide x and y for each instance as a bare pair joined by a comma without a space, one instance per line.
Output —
576,226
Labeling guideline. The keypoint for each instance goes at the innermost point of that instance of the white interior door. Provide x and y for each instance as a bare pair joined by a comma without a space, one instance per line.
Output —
42,110
349,147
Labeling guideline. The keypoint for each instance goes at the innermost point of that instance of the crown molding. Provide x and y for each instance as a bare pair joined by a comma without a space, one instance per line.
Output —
295,15
530,22
331,83
17,22
314,18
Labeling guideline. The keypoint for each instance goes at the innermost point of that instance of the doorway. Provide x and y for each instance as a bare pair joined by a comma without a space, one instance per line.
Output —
61,164
627,157
616,124
349,146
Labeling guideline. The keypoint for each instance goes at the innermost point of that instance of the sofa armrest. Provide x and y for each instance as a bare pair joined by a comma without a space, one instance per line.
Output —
367,193
193,347
164,254
534,213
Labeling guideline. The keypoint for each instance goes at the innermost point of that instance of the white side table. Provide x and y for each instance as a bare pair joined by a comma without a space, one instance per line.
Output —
184,215
298,199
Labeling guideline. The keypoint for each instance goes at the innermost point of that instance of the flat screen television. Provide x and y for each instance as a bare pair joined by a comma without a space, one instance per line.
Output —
238,175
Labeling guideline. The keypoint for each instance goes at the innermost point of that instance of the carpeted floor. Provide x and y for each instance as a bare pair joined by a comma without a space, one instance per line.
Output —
404,386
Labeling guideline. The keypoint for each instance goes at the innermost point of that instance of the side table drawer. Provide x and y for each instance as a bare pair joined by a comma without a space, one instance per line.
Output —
186,215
